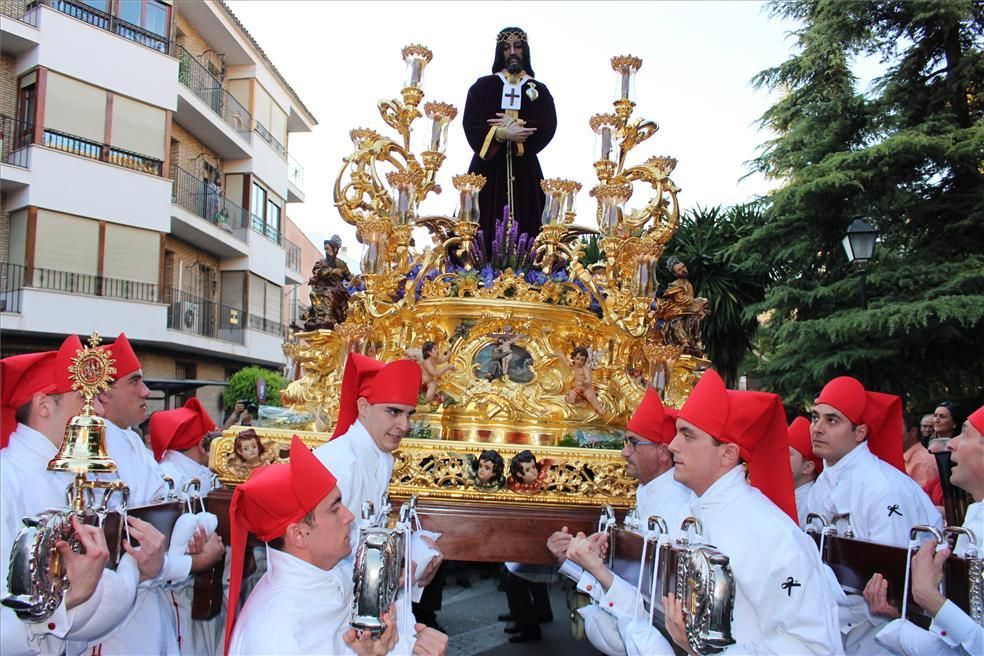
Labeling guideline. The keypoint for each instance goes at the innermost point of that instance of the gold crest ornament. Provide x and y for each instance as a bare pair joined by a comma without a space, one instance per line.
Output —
531,91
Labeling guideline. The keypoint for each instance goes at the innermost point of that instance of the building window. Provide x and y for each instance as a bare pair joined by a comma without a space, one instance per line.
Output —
258,203
26,113
148,14
273,217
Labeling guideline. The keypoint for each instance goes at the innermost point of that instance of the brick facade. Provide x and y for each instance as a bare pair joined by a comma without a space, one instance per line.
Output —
189,256
188,153
8,86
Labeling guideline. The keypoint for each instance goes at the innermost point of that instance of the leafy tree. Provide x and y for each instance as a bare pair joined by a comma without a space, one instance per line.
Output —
702,240
907,156
242,385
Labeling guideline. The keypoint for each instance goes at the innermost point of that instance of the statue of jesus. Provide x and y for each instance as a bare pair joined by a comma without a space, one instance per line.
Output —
509,117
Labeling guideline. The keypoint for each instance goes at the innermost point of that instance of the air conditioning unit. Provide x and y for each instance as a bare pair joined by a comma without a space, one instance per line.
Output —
186,315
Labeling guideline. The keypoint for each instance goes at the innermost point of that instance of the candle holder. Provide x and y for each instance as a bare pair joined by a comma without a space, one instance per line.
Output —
441,114
416,57
605,127
404,195
612,198
468,185
374,233
626,66
559,206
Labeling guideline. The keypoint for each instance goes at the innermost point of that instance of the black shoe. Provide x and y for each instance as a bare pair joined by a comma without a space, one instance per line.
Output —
545,619
526,636
512,629
506,618
464,583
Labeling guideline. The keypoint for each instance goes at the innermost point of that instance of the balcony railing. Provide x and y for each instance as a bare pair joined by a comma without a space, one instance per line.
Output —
295,172
17,277
26,11
206,88
271,140
271,232
208,202
293,256
111,23
15,137
265,325
70,143
200,316
11,285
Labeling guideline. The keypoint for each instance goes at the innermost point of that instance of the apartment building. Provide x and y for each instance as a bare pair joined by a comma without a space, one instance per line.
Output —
146,179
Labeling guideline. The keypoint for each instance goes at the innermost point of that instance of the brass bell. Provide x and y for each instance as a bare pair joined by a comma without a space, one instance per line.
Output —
83,451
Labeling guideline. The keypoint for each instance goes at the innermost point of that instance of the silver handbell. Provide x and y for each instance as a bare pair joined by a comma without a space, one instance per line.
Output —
37,578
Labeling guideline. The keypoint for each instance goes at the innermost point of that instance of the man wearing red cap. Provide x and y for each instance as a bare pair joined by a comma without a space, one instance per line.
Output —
805,465
152,627
374,412
176,437
302,603
859,436
952,631
37,404
615,602
782,604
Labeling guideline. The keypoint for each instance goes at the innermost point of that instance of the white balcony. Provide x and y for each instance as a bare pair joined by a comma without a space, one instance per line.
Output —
18,27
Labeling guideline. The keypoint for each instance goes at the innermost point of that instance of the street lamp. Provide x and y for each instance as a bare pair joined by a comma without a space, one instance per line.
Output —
859,243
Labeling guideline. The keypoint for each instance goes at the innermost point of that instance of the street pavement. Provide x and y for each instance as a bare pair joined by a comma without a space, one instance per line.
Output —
469,616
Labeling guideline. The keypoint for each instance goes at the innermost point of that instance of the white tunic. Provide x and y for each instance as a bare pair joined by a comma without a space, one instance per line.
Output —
363,473
194,636
952,632
802,505
611,612
27,488
782,602
152,626
296,608
884,503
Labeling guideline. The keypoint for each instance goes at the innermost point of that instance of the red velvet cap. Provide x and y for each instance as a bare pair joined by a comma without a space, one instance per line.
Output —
179,429
274,497
707,406
976,419
652,420
23,376
126,359
756,423
881,413
801,440
395,382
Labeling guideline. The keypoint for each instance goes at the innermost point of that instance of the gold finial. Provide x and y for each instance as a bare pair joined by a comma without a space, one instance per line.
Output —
92,371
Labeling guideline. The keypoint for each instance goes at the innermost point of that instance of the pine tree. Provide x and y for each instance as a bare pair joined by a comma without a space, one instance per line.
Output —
907,156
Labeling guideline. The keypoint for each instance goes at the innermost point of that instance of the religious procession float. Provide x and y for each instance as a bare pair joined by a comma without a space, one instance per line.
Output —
534,352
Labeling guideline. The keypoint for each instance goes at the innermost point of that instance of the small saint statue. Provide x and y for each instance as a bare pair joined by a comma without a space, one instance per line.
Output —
583,390
487,471
433,365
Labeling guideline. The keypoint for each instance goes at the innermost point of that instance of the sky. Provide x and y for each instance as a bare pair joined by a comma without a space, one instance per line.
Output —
698,61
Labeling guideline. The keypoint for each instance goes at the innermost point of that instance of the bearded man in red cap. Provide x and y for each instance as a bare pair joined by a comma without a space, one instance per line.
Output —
952,632
302,603
615,602
374,413
782,602
805,465
37,404
859,436
152,627
176,437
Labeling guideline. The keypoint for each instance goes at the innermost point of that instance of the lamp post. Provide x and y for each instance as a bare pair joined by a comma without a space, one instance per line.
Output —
859,243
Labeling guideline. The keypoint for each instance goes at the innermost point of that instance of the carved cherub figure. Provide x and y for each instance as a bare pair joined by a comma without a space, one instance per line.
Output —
583,390
433,365
525,473
487,471
248,452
